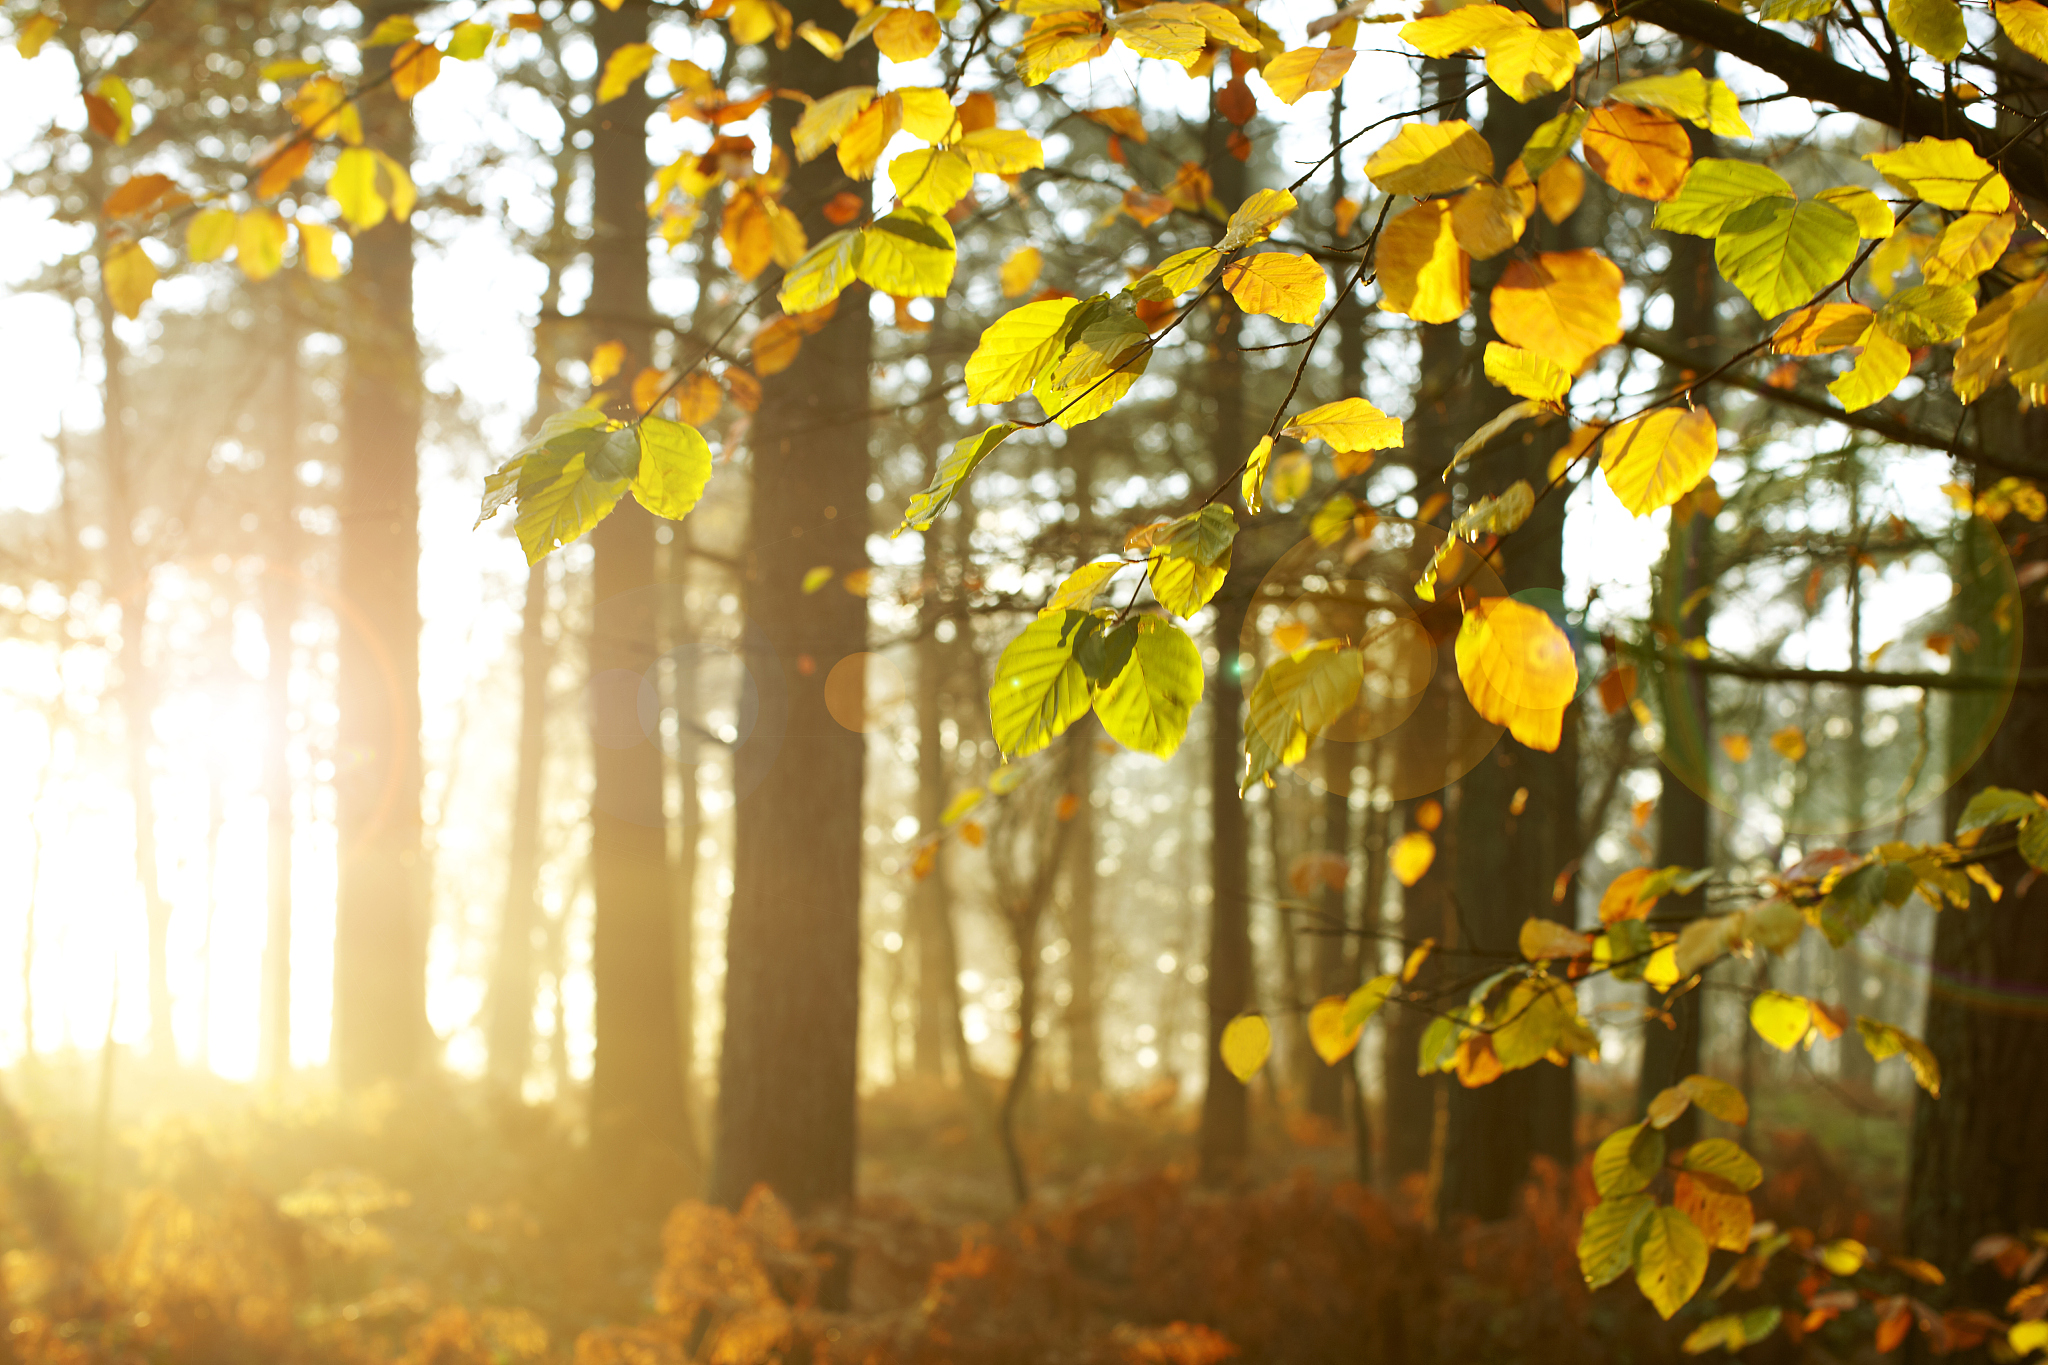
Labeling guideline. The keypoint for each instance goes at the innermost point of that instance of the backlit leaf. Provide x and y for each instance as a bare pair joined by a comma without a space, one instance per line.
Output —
569,480
1422,271
316,250
1526,374
1254,219
1654,460
1541,940
1349,424
1431,158
1277,284
1724,1160
1253,485
1518,669
1883,1041
1560,189
1627,1160
1718,1098
1933,26
35,30
1080,588
1245,1045
209,235
130,277
1489,219
931,178
905,35
1608,1236
909,254
1710,104
1928,314
1363,1003
1781,254
1967,248
1946,172
1715,188
1638,151
626,64
1465,27
926,507
1821,330
1565,305
1020,271
2024,22
1723,1215
824,121
675,464
260,235
1015,349
1411,856
1528,62
353,183
1329,1033
1554,140
1294,74
1296,698
821,274
1880,366
1147,705
414,67
1873,216
1040,689
1781,1020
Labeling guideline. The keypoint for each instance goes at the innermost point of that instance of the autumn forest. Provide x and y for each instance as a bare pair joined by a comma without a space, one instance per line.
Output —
1135,682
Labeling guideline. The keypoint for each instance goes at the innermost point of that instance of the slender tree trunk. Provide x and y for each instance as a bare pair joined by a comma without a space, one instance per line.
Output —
1408,1111
1326,1083
1225,1137
381,908
929,907
685,704
638,1119
788,1068
281,599
1083,1021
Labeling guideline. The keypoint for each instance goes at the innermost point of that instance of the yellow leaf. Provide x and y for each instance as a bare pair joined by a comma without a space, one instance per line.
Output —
1718,1098
1057,41
403,195
1526,374
1411,856
817,578
413,68
675,464
1781,1020
1877,371
1518,669
209,235
259,243
1245,1045
1560,188
1737,747
1350,424
1431,158
931,178
1946,172
1691,96
605,361
1934,26
910,253
1671,1260
1655,460
994,151
624,66
1565,305
1873,217
1543,940
392,29
2024,22
1020,270
904,35
1178,273
862,143
960,805
820,275
825,120
353,184
1488,219
1638,151
1790,743
1294,74
1468,26
1292,474
470,41
1968,247
1821,329
1422,271
1255,219
316,250
1252,485
1015,349
1528,62
130,276
1278,284
1328,1033
36,30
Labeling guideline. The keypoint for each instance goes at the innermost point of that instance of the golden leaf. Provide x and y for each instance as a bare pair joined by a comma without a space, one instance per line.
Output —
1638,151
1423,273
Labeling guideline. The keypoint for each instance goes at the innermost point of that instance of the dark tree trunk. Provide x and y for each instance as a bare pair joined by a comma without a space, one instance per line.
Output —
1977,1165
787,1071
381,913
638,1119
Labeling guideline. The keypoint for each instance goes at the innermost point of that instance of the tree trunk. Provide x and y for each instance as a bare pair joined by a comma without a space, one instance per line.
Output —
929,908
381,912
1083,1021
509,1007
788,1068
281,597
685,704
1326,1083
1408,1110
1225,1137
1977,1165
638,1120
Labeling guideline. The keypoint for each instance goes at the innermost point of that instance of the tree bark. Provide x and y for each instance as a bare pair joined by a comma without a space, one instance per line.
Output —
638,1118
281,598
381,911
788,1068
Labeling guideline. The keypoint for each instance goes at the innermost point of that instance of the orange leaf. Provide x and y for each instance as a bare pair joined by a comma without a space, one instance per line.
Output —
1638,151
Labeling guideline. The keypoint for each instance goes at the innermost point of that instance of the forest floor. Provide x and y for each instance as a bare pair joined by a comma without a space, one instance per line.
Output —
438,1229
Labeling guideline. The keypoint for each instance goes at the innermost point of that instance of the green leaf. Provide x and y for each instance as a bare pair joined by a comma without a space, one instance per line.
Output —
1362,1004
820,274
1554,140
1720,1157
909,254
1040,688
568,483
1995,806
1016,348
1714,189
1608,1237
1934,26
1780,255
1671,1262
675,464
1733,1331
1627,1160
1191,557
1296,699
1928,314
926,507
2034,842
1147,705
